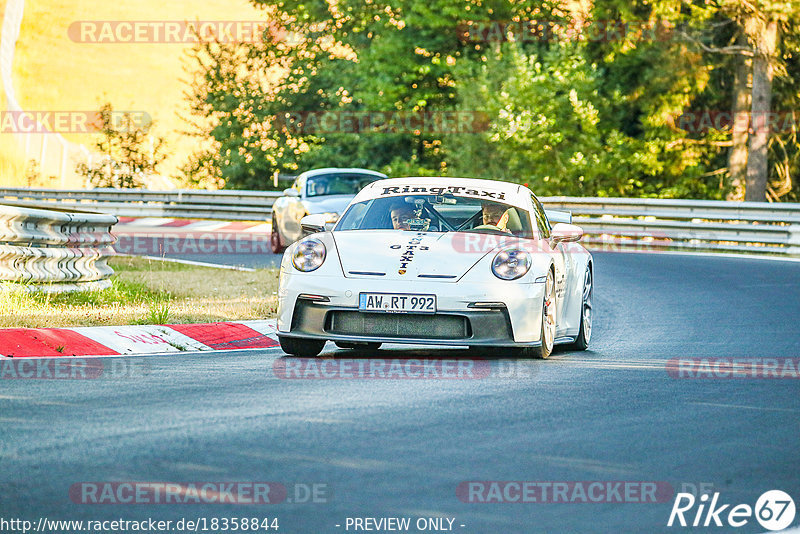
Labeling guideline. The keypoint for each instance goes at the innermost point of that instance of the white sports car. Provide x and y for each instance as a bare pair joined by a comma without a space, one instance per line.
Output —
320,191
443,261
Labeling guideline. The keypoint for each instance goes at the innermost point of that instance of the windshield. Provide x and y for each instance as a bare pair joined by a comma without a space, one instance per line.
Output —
337,184
436,213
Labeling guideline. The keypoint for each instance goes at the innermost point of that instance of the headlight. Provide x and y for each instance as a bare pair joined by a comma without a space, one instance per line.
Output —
511,264
308,255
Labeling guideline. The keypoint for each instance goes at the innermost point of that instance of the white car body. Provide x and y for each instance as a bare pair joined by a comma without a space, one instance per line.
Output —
474,307
298,201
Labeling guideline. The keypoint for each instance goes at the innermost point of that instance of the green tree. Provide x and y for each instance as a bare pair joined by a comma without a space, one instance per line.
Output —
129,152
597,115
750,44
347,56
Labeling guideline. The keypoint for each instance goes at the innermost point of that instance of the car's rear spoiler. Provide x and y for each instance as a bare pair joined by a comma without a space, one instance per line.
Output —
558,216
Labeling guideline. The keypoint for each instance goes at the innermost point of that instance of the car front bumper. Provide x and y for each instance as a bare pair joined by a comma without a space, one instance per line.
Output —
494,313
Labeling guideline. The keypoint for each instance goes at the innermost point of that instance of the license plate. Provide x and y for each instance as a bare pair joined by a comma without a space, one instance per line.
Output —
397,303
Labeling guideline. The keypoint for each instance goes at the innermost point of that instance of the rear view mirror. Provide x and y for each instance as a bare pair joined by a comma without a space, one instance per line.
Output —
291,192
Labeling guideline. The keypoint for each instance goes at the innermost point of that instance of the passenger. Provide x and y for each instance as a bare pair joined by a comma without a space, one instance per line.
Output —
496,215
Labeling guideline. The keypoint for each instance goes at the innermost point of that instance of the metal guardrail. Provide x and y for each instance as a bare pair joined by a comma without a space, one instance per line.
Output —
700,225
608,223
180,204
55,250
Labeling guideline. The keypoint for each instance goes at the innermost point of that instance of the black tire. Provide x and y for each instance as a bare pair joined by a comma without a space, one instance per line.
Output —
585,332
275,239
305,348
545,349
358,346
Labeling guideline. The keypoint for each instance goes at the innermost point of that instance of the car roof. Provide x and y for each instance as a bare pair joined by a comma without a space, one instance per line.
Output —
507,192
329,170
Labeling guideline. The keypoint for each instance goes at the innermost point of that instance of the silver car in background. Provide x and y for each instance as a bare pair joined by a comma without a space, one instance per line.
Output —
320,191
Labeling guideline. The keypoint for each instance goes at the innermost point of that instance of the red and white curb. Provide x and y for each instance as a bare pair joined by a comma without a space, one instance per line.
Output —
136,340
151,224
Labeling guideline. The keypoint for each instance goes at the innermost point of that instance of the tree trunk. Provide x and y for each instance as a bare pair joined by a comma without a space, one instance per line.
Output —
737,156
757,164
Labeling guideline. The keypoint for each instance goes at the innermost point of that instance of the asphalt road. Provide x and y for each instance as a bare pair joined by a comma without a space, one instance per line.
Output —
400,448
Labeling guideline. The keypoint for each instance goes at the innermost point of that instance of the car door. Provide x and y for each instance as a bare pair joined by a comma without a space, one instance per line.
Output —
561,261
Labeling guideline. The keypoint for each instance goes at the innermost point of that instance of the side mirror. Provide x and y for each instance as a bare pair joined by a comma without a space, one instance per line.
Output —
565,233
291,192
312,224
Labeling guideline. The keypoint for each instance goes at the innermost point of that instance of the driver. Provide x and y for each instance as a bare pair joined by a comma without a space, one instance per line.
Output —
495,215
401,214
320,187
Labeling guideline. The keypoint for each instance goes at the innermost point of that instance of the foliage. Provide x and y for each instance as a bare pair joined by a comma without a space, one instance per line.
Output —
127,156
578,114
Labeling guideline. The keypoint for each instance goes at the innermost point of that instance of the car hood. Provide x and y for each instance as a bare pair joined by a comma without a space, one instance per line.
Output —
327,204
405,255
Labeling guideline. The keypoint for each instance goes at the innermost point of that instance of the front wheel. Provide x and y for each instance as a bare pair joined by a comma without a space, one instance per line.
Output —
305,348
585,333
545,349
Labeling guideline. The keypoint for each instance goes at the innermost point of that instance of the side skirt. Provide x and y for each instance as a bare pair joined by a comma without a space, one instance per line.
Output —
564,339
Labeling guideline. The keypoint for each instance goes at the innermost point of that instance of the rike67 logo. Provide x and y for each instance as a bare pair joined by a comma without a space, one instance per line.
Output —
774,510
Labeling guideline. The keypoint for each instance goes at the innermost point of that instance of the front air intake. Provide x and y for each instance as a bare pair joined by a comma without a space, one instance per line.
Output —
401,325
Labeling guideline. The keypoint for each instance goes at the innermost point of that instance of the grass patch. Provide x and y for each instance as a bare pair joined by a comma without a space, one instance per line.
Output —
149,292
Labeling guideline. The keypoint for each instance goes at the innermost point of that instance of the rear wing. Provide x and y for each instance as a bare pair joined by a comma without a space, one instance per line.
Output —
558,216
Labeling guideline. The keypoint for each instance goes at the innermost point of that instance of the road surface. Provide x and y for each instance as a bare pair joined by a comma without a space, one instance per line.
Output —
400,448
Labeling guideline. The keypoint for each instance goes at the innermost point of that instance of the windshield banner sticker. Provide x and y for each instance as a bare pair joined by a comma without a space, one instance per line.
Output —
453,189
